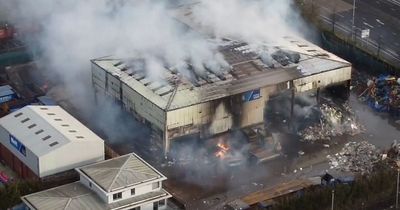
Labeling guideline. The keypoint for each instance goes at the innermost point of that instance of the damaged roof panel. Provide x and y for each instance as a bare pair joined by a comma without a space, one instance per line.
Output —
246,72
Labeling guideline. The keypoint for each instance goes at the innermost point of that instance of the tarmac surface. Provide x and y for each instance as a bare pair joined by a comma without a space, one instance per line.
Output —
381,17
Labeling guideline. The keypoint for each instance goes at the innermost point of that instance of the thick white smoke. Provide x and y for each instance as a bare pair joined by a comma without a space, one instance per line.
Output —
253,21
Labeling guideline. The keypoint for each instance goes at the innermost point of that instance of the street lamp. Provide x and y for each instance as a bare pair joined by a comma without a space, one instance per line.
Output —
397,184
333,199
354,13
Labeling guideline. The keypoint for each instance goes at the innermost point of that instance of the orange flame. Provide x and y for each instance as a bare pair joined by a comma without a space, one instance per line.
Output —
222,150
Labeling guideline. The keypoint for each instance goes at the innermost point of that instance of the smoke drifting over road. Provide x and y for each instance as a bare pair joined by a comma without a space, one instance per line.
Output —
253,21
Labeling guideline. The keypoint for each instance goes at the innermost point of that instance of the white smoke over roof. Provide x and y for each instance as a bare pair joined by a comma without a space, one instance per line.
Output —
253,21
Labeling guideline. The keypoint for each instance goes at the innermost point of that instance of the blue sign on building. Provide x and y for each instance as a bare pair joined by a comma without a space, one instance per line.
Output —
251,95
17,145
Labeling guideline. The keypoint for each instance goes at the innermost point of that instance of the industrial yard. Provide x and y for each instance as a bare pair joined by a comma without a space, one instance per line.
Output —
215,112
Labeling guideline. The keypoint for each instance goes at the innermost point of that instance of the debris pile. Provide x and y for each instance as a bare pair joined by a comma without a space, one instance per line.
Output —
382,94
333,122
358,157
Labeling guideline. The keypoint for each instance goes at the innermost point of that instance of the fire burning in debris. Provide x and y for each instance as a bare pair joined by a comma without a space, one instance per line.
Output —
222,150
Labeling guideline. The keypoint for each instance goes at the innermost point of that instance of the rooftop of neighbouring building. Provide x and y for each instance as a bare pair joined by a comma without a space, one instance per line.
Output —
121,172
44,129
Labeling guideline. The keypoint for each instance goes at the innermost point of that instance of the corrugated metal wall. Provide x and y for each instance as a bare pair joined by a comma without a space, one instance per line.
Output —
322,80
135,102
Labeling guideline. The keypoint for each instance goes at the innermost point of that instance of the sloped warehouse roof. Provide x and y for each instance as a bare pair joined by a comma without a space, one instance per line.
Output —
49,132
248,69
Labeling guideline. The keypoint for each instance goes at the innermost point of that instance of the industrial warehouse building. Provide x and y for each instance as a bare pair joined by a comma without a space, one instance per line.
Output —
212,102
38,141
125,182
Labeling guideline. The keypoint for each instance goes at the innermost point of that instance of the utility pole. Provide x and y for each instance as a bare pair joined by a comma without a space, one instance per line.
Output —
397,184
333,199
397,189
354,14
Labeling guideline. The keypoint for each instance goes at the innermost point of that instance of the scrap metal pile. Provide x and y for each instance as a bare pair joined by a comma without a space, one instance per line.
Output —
333,121
358,157
383,94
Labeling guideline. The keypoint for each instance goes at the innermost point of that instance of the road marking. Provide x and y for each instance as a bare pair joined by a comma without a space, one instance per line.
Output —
395,2
368,25
380,22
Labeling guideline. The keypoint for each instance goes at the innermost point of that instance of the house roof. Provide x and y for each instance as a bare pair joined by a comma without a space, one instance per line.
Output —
76,196
118,173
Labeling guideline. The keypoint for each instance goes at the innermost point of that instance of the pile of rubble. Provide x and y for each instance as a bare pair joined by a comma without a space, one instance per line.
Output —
333,122
383,94
358,157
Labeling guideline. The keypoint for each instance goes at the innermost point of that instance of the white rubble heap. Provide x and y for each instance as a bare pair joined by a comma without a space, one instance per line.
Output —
357,157
333,122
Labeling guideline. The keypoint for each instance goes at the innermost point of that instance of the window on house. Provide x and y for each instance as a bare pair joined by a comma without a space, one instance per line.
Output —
44,108
80,137
156,185
90,184
133,191
136,208
117,196
161,202
64,125
58,119
50,114
72,131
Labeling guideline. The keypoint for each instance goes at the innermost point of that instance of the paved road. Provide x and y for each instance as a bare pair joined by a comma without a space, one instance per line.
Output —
382,17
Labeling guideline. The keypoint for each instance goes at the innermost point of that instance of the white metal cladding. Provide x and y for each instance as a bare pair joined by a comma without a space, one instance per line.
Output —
98,77
322,79
142,106
54,140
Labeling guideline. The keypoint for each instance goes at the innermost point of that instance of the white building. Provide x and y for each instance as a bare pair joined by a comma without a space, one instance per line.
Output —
38,141
213,102
125,182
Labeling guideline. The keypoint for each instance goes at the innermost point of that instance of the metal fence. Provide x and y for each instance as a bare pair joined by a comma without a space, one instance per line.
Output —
378,48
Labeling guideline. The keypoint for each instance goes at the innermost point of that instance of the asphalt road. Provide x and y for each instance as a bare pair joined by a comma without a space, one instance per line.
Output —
381,17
